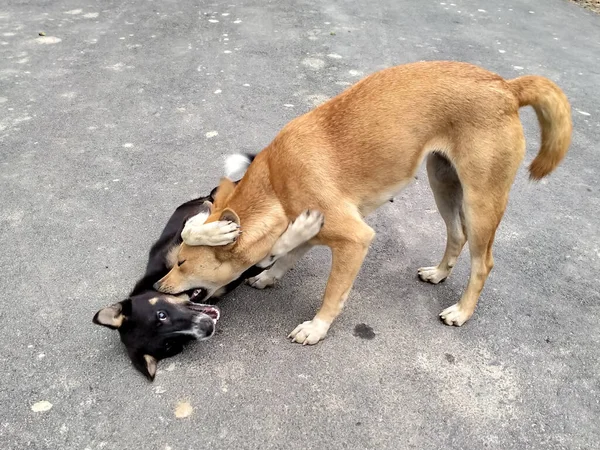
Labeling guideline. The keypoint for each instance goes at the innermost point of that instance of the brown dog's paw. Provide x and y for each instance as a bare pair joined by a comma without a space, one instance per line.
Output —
261,281
309,332
455,315
307,225
433,275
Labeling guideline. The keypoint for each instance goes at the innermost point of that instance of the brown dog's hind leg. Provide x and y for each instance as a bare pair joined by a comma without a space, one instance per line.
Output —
486,179
481,228
448,194
349,240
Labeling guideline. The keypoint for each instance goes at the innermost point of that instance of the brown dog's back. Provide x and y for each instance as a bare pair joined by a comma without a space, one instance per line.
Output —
377,132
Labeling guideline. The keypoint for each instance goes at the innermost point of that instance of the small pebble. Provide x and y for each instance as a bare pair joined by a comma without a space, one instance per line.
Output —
42,406
183,410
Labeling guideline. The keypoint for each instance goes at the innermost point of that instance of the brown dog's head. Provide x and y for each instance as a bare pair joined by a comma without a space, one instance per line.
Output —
207,268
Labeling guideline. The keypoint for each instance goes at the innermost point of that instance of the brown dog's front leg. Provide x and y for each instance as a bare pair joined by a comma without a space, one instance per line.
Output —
348,255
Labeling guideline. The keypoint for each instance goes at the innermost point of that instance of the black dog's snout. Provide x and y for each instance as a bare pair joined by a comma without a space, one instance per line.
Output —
207,327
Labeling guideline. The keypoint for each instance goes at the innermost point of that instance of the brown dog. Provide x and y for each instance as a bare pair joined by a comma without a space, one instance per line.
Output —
352,154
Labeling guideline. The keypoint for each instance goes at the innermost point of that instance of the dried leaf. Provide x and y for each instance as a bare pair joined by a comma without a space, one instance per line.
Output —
41,406
183,409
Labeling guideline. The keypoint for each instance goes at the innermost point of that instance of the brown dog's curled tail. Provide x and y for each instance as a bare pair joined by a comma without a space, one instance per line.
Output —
554,115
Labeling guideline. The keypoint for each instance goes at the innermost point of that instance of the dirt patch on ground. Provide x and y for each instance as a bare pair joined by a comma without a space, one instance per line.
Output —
594,5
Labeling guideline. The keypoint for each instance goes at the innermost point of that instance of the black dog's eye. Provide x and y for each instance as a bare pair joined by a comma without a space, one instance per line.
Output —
161,315
179,263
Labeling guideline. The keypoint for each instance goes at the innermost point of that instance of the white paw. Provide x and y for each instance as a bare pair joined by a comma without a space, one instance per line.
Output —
432,274
309,332
213,234
307,225
262,280
454,315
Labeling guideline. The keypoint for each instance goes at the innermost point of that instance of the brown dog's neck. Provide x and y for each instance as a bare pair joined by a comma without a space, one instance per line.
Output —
262,217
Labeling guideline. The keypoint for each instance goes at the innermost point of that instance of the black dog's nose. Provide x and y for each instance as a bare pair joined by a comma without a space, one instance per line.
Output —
207,327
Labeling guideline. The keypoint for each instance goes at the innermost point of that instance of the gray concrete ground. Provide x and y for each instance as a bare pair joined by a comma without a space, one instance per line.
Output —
104,129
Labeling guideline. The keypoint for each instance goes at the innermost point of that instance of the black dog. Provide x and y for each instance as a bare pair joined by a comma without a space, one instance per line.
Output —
153,325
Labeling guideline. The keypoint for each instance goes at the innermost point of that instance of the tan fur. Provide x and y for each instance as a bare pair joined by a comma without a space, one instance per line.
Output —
171,256
554,115
226,188
351,154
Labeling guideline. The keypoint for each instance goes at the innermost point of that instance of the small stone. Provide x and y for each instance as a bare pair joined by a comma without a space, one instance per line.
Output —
42,406
183,410
41,33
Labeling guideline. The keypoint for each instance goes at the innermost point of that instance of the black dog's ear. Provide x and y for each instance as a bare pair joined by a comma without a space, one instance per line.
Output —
144,363
112,316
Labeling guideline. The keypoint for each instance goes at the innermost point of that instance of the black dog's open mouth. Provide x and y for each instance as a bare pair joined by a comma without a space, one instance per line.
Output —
211,311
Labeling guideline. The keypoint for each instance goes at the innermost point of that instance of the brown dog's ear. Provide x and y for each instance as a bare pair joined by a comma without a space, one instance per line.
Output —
212,195
111,316
224,191
230,216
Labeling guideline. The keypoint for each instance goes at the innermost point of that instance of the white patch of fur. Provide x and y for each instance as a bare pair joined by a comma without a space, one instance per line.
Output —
236,166
263,280
198,219
306,226
212,234
454,315
433,274
276,272
310,332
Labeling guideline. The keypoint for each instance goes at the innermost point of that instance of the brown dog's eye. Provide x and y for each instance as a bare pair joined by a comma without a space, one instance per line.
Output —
161,315
179,263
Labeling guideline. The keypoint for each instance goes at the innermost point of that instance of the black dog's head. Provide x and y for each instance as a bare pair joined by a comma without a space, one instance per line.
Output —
154,326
